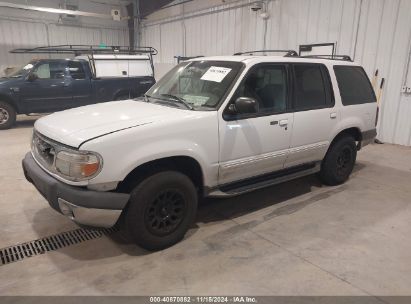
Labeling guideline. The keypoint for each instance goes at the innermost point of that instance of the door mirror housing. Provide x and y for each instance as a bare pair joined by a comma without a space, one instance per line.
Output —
246,105
32,77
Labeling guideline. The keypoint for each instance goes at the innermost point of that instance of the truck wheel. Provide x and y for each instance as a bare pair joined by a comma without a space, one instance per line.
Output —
161,210
339,161
7,115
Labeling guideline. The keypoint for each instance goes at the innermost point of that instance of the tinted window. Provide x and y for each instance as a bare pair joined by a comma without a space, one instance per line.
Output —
267,85
355,88
76,70
309,87
50,70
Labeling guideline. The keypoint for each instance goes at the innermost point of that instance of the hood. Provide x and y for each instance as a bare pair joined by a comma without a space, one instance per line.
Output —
75,126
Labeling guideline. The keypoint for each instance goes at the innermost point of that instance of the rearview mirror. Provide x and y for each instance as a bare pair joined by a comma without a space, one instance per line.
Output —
32,77
246,105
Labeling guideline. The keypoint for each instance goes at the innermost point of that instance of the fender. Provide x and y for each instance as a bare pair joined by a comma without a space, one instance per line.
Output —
128,149
10,100
347,123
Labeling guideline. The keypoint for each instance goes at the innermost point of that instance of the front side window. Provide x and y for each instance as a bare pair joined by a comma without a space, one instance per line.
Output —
354,85
198,85
50,70
267,85
309,87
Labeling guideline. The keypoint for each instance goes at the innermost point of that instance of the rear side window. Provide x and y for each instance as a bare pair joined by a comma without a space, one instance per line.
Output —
310,87
76,70
354,85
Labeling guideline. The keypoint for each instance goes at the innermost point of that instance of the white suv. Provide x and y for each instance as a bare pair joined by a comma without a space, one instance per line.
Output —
215,126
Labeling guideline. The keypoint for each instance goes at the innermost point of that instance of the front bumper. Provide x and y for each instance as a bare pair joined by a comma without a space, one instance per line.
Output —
87,207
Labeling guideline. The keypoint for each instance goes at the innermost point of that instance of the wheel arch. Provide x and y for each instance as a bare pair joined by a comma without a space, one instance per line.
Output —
355,132
9,101
184,164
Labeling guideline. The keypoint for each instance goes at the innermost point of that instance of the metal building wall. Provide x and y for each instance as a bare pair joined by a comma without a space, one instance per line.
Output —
19,28
376,33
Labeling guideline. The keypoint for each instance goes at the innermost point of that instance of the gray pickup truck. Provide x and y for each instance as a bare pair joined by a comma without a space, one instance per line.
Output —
49,85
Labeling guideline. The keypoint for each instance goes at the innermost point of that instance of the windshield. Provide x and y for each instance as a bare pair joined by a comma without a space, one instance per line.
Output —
21,71
195,85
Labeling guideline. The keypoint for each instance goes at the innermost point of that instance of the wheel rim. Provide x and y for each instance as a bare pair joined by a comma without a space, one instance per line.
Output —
4,116
165,212
344,160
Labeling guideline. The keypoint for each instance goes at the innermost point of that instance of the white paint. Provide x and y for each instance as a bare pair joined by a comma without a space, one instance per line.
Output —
120,65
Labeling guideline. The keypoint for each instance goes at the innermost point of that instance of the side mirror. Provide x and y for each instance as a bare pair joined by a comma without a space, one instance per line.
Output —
32,77
246,105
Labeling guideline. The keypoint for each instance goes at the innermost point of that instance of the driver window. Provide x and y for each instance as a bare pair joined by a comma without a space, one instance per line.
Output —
52,70
268,86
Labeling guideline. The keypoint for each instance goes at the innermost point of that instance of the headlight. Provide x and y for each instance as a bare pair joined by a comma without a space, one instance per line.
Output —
77,165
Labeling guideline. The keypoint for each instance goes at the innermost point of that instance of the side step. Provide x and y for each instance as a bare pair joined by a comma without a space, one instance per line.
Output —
265,180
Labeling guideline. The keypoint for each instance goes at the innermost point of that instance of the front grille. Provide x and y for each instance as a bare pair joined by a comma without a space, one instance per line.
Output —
43,151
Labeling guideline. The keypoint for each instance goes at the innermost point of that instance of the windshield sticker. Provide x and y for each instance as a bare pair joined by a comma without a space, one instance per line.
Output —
216,74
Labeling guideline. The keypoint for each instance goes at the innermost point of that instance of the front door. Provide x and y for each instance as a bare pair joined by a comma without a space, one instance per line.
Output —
49,91
251,145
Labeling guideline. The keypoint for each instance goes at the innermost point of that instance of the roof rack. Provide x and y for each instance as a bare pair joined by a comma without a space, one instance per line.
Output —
331,57
184,58
289,53
89,50
85,49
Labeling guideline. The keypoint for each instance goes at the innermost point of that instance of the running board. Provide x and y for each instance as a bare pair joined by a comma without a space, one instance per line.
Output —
266,180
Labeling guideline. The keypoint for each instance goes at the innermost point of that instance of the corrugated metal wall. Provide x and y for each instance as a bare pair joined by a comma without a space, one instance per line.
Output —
376,33
20,28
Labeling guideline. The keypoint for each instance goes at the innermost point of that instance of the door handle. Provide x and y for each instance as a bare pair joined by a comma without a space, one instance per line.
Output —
283,122
333,115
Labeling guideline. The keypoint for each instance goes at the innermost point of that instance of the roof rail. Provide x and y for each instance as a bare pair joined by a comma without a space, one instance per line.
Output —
289,53
85,49
331,57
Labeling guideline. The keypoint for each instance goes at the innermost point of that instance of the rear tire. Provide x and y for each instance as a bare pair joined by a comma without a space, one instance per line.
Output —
339,161
7,116
161,209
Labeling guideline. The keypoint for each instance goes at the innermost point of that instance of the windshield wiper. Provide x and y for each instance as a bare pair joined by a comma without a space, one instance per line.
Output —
179,99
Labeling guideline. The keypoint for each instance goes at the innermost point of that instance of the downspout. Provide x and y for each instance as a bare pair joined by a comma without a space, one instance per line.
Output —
183,25
358,29
137,24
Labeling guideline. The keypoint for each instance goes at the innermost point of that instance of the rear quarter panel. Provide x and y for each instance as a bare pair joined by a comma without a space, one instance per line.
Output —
109,88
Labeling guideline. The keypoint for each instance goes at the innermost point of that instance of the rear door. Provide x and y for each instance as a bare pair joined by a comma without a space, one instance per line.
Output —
49,92
315,114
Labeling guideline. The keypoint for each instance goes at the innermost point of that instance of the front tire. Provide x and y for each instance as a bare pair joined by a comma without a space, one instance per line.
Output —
7,116
161,209
339,161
